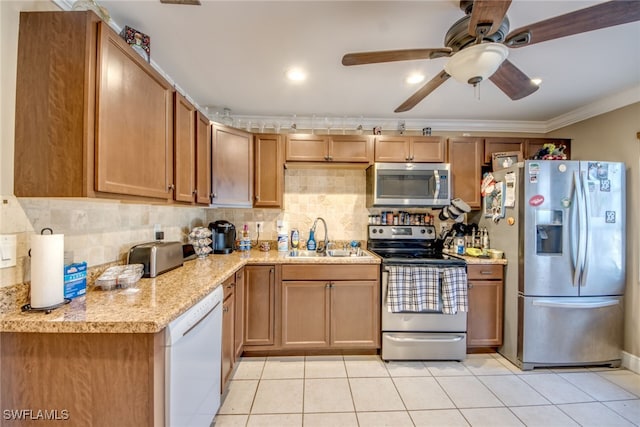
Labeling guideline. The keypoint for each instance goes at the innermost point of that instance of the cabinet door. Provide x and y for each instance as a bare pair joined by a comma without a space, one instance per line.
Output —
259,305
484,320
228,354
305,314
238,330
501,145
307,148
465,157
134,137
427,149
184,139
350,148
269,171
355,314
392,149
203,159
232,167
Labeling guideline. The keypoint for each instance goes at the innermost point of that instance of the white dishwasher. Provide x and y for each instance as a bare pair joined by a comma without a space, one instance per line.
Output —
193,358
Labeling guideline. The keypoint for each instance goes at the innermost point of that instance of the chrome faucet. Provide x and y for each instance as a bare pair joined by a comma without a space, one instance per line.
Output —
326,236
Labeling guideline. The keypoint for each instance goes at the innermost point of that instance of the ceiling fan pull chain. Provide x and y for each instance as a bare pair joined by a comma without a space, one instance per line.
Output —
476,91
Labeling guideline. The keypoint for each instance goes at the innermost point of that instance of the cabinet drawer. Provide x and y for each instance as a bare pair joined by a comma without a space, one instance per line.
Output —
485,271
330,272
229,286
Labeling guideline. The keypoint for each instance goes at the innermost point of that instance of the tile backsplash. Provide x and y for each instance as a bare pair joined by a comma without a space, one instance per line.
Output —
96,231
337,195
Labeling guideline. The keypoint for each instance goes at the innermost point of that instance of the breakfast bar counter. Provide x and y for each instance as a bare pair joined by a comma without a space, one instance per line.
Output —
151,304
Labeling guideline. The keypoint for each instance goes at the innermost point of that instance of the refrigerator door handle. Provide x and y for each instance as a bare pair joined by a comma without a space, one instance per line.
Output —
577,274
556,304
587,217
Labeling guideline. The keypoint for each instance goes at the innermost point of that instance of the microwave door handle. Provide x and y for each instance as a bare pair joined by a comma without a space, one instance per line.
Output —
436,175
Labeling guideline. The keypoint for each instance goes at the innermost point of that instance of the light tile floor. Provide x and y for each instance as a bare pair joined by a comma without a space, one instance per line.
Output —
484,390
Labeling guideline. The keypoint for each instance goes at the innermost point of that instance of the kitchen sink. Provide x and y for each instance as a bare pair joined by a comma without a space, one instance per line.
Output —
305,254
336,253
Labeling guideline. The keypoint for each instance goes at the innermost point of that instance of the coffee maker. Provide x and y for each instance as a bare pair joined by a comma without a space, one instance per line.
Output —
223,236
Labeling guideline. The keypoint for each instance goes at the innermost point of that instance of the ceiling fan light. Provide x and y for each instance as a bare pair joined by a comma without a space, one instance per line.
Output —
476,63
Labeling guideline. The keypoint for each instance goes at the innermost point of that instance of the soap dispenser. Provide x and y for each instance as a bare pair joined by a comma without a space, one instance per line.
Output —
311,243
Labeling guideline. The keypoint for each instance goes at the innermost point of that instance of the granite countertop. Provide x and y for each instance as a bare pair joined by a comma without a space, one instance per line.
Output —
151,304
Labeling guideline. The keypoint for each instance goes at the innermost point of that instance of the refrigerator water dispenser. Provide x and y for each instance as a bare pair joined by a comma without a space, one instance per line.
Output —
549,232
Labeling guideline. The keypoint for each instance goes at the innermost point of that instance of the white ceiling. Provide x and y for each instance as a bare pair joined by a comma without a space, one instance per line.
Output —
235,53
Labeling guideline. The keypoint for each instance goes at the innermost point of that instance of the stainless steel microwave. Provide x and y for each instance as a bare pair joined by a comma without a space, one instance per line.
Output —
408,184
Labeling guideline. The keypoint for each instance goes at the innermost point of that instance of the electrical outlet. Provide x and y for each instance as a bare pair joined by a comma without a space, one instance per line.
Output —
259,226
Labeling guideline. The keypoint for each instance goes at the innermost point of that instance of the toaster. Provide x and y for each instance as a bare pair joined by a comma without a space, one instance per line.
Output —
157,257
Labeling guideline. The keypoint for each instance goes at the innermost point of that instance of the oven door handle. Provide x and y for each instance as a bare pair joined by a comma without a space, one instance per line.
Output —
456,338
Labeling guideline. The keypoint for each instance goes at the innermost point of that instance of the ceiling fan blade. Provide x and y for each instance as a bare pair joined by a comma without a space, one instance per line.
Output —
487,15
601,15
513,82
360,58
422,93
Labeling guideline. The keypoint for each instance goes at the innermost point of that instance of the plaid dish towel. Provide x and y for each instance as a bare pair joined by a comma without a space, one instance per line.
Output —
413,288
454,290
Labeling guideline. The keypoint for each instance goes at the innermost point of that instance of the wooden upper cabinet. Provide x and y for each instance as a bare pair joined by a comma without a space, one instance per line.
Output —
350,148
329,148
232,167
423,149
268,171
307,148
134,138
427,149
465,157
203,159
92,117
501,145
184,129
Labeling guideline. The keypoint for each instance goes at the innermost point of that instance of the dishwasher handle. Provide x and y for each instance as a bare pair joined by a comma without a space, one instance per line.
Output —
201,319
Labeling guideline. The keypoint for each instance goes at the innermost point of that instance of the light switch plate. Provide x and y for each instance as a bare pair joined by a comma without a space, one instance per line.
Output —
8,250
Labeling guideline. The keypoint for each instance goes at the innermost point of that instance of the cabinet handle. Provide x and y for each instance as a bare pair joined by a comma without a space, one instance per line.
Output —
470,285
257,198
225,309
214,195
485,272
194,192
326,158
171,187
330,158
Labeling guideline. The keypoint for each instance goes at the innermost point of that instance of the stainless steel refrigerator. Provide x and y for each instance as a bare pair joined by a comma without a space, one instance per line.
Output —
561,225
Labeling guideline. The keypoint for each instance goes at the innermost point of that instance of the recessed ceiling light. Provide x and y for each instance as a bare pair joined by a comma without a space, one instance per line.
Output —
414,78
536,81
296,74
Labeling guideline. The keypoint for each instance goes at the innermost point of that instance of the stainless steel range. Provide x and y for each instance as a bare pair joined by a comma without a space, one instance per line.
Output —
419,322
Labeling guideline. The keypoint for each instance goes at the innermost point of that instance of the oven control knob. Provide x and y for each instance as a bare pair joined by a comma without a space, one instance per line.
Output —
422,231
374,231
380,230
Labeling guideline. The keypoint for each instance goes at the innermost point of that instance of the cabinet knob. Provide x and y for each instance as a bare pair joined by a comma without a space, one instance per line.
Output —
330,158
214,195
194,192
326,158
171,187
257,198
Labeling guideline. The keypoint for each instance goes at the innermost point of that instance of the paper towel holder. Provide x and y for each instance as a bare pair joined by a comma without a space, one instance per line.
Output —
49,309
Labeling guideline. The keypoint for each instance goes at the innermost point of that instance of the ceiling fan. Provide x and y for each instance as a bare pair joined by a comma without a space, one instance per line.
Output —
478,44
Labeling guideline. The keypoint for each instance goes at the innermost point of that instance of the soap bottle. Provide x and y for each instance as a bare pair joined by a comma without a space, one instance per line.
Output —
311,243
246,241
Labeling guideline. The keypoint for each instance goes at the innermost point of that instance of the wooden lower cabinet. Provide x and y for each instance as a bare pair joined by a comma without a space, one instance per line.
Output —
259,306
228,330
485,317
238,330
332,308
98,380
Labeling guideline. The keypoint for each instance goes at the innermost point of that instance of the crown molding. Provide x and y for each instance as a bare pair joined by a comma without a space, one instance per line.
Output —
604,105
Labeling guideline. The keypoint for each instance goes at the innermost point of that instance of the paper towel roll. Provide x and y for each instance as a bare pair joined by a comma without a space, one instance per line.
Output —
47,270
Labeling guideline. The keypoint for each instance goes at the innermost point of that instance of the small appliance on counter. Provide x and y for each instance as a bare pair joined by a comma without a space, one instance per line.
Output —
223,236
157,257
